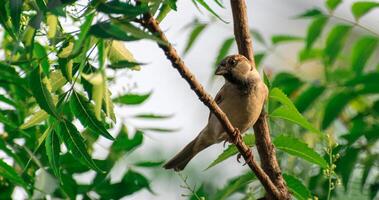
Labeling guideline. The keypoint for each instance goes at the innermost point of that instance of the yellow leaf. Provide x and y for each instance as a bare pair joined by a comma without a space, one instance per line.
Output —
66,51
118,52
35,119
52,22
97,80
57,80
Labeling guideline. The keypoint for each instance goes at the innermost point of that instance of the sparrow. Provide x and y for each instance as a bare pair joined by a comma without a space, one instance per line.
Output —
241,98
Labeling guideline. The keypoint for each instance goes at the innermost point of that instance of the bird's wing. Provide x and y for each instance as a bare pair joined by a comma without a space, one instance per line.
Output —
219,98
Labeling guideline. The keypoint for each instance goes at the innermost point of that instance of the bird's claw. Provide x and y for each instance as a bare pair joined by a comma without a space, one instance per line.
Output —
249,155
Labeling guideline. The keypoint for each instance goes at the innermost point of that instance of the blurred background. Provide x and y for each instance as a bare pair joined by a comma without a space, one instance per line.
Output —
172,95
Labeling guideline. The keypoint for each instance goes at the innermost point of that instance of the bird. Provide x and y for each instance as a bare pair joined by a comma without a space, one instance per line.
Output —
241,98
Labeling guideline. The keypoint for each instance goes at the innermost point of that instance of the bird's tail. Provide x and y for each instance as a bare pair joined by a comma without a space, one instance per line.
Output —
180,160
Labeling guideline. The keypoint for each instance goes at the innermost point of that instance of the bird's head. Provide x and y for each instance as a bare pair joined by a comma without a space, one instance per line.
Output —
234,67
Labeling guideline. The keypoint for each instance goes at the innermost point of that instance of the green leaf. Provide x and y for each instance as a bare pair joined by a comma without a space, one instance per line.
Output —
131,98
125,64
124,144
361,52
258,36
235,185
75,144
258,58
285,112
10,174
308,97
224,50
249,140
279,95
206,6
315,30
52,146
310,54
297,188
332,4
335,105
16,9
40,54
130,183
160,129
365,79
287,82
276,39
195,33
85,113
152,116
361,8
126,8
314,12
149,163
299,149
335,41
40,92
138,33
84,29
346,165
368,166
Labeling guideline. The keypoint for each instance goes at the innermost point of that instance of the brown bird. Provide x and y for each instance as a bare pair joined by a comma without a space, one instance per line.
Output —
241,98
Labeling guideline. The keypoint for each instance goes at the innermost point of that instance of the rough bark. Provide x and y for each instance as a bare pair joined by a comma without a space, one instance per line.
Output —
264,145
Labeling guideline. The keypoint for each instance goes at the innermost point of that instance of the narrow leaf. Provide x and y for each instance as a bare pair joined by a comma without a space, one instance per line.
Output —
52,146
195,33
16,9
332,4
335,106
294,116
249,140
85,113
131,98
152,116
40,92
297,188
10,174
276,39
75,144
206,6
335,41
235,185
224,50
308,97
361,8
149,163
35,119
346,165
315,30
299,149
84,29
109,30
314,12
126,8
361,52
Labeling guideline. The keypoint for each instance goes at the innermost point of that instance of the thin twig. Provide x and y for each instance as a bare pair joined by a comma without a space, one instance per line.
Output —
151,24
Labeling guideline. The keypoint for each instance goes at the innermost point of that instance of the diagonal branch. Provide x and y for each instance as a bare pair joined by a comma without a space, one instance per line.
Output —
264,145
151,24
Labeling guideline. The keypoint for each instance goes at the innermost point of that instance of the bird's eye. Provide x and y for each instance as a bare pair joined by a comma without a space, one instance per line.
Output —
232,62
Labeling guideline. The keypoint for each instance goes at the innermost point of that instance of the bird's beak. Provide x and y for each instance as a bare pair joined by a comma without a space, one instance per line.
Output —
221,70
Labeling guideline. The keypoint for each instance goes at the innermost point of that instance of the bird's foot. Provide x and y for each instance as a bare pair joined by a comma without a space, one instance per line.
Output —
249,155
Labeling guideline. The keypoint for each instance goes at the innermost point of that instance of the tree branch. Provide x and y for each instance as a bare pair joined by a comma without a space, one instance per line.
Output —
152,25
263,142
